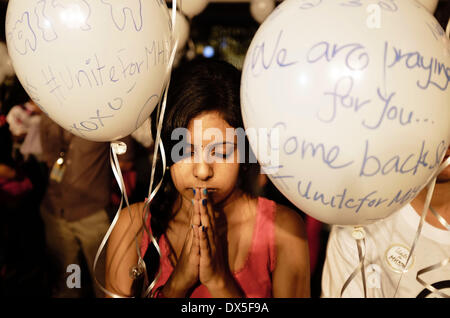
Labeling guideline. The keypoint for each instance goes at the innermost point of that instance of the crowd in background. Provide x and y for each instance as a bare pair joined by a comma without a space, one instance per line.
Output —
25,264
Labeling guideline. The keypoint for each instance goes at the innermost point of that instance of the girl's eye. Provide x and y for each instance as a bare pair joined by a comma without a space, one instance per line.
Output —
222,152
186,152
221,155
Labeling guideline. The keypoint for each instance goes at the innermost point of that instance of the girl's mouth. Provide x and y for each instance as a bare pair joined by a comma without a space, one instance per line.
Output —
209,190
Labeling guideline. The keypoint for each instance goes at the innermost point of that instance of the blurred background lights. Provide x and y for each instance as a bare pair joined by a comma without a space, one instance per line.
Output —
208,51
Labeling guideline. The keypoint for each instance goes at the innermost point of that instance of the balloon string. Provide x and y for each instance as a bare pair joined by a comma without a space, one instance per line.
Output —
159,146
116,148
430,191
361,245
441,263
429,269
151,195
161,110
145,216
361,260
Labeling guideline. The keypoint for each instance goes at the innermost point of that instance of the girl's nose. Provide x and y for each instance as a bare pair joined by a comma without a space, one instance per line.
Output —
203,170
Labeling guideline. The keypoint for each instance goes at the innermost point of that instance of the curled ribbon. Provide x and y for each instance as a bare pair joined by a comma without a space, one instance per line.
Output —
427,206
359,235
429,269
441,263
158,145
118,148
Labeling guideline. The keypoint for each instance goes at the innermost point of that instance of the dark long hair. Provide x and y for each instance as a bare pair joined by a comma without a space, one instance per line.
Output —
197,86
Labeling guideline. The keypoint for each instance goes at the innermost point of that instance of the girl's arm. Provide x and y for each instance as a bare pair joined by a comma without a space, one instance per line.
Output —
291,277
121,252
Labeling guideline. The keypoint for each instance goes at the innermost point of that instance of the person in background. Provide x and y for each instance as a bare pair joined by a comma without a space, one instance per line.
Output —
22,184
23,120
387,246
217,239
74,205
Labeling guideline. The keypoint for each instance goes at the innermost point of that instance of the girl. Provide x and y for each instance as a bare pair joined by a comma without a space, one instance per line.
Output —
216,237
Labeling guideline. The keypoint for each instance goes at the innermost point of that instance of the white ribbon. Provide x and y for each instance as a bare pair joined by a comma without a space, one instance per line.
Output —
361,243
430,191
118,148
359,235
445,261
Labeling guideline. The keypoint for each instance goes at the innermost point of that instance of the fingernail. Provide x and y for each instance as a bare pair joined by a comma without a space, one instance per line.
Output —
192,201
193,190
205,192
203,228
204,202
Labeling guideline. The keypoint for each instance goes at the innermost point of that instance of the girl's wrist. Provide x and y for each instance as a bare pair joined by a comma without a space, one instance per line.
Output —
216,285
225,287
174,289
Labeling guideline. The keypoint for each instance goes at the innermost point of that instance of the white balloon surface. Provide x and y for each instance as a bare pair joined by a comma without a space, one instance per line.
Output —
97,68
191,8
182,28
181,34
349,102
430,5
260,9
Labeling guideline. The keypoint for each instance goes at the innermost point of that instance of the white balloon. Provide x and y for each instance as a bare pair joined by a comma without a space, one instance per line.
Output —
191,8
260,9
97,68
447,30
359,97
182,29
430,5
181,33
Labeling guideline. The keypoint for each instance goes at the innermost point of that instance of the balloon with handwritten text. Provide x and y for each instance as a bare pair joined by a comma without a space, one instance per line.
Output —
97,68
349,104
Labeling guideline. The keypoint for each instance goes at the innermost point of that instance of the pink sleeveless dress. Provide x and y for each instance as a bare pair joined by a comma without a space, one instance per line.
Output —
255,277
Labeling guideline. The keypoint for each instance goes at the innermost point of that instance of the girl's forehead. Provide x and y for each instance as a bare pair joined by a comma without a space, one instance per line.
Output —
208,120
210,127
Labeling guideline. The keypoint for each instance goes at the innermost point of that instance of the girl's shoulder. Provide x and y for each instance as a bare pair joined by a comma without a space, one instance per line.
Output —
284,217
131,217
289,220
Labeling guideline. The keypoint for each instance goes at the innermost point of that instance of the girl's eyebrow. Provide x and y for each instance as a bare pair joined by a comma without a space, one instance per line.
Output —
223,143
215,144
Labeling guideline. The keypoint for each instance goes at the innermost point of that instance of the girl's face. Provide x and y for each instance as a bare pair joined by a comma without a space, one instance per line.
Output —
211,159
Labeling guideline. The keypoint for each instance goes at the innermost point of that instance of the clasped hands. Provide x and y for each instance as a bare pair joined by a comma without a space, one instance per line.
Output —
202,259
